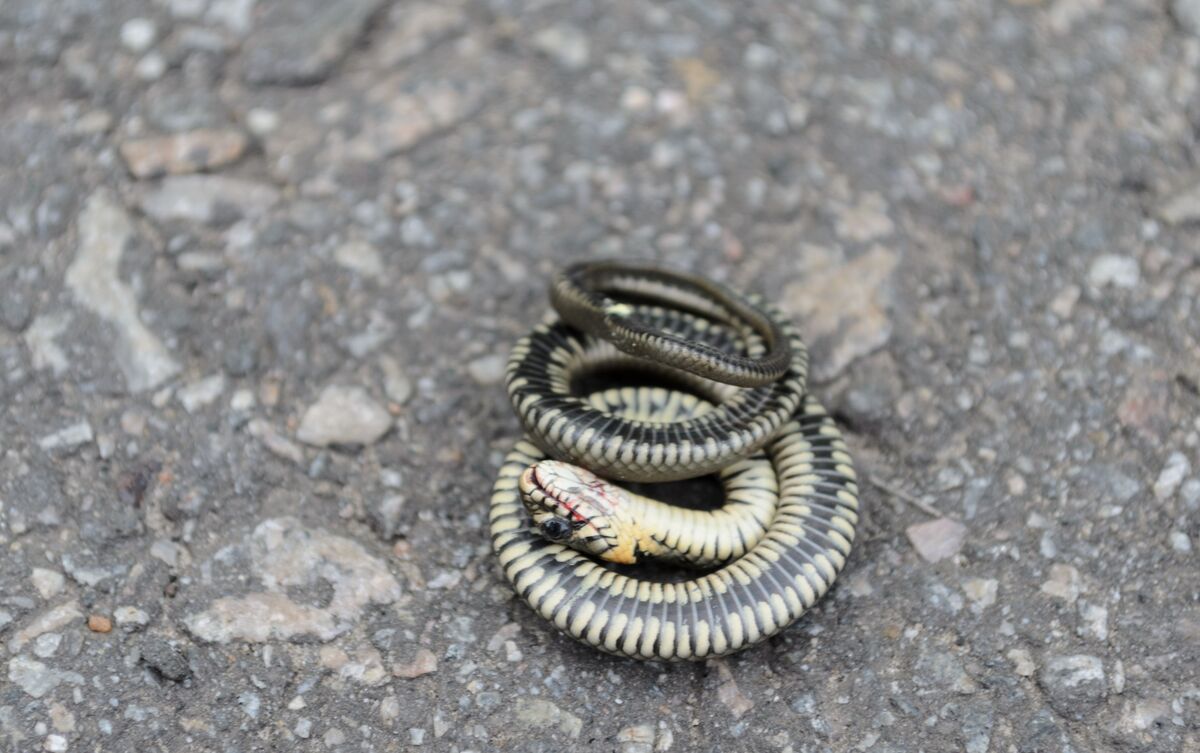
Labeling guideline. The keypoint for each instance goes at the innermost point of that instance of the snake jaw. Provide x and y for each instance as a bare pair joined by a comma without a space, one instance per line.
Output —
590,506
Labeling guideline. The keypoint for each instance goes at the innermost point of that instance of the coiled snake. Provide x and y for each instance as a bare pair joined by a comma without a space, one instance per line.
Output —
564,535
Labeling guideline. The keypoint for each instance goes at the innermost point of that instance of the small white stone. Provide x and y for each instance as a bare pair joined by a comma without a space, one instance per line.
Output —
389,709
1111,269
636,739
487,370
197,395
303,728
636,99
251,703
416,735
46,644
981,592
168,551
137,34
343,416
261,121
242,400
151,67
105,230
359,256
1064,303
512,652
1171,476
396,383
1022,662
235,15
1180,542
296,703
69,438
1047,547
1095,621
47,582
131,618
937,539
565,45
1063,583
55,744
1073,671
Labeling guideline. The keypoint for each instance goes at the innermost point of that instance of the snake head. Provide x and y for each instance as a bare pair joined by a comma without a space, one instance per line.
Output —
575,507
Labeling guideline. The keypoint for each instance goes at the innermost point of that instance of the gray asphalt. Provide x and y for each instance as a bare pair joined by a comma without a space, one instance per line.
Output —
261,263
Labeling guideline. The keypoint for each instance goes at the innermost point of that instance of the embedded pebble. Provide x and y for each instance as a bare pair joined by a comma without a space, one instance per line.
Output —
488,370
364,666
1023,663
105,230
1171,476
131,618
201,150
343,416
137,34
565,45
423,663
275,442
209,199
359,256
843,309
53,619
636,739
1183,206
937,667
728,692
68,438
981,592
389,709
1118,271
396,385
202,393
47,582
1063,583
300,42
1093,621
283,554
937,539
36,679
1180,542
541,713
385,515
151,67
41,337
1074,684
98,623
46,644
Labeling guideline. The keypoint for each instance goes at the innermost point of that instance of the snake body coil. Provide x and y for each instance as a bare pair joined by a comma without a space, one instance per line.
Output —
791,504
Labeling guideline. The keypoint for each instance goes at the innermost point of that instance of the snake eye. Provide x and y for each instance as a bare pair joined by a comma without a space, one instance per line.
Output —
555,529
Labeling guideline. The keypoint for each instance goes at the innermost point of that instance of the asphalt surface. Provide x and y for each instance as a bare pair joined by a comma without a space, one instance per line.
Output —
261,263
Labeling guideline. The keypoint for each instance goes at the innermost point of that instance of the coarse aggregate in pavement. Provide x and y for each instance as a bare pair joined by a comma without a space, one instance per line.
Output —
261,262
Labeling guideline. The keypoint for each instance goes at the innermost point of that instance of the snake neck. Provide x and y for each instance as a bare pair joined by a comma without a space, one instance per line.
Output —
695,538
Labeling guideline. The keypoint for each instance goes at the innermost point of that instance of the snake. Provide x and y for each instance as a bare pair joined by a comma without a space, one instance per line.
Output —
574,519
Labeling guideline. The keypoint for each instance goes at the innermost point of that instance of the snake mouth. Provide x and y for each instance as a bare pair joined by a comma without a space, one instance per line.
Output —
532,488
539,494
542,488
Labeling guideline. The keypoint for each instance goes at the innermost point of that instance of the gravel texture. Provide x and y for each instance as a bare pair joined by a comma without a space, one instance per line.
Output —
261,262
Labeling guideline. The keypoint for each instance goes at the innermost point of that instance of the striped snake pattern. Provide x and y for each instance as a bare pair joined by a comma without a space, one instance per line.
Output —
567,541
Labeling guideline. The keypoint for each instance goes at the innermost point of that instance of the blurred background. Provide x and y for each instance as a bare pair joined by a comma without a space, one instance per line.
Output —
261,262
